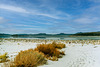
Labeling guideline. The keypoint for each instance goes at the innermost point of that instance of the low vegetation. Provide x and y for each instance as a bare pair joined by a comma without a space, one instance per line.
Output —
58,45
37,56
54,58
3,58
51,51
48,50
29,58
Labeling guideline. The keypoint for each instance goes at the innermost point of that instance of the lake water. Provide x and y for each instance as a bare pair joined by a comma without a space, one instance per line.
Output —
78,38
66,38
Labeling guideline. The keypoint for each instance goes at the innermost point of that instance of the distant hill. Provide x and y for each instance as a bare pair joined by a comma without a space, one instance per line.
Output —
44,35
2,35
40,35
87,34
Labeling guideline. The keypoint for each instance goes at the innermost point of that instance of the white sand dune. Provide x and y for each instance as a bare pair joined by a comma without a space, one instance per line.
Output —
76,54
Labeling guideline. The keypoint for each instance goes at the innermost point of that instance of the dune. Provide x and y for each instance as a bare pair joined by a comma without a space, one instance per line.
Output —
78,53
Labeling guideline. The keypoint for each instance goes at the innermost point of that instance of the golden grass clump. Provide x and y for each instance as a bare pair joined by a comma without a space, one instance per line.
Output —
62,53
3,58
58,45
29,58
54,58
48,50
51,50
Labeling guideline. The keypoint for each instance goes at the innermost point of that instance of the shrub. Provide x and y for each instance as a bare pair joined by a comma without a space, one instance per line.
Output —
62,53
48,50
54,58
29,58
58,45
51,50
8,64
3,58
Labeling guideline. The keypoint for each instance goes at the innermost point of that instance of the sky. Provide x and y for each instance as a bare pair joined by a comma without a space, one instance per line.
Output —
49,16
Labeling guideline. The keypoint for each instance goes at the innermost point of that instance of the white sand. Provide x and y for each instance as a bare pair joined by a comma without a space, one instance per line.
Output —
76,54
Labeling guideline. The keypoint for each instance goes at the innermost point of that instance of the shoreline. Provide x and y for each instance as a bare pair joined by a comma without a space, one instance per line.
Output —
83,36
67,38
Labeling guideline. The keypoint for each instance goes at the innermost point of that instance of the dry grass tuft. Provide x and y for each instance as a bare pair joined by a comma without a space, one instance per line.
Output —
29,58
3,58
62,53
58,45
54,58
48,50
51,51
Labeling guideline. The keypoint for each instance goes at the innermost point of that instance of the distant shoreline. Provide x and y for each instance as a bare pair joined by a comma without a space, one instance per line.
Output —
83,36
67,38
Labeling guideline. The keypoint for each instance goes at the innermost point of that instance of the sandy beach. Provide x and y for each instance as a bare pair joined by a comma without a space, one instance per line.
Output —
79,53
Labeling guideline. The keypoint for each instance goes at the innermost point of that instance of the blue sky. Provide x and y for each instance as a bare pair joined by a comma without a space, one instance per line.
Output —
49,16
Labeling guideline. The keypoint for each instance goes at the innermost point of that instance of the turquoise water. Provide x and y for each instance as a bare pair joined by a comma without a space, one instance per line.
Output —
62,38
78,38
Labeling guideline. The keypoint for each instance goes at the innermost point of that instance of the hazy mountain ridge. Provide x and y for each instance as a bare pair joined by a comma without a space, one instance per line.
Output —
44,35
88,34
40,35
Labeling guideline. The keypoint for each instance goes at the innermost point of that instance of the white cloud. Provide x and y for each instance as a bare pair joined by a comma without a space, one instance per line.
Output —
90,15
13,8
95,1
48,15
86,20
24,25
34,11
46,23
2,20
